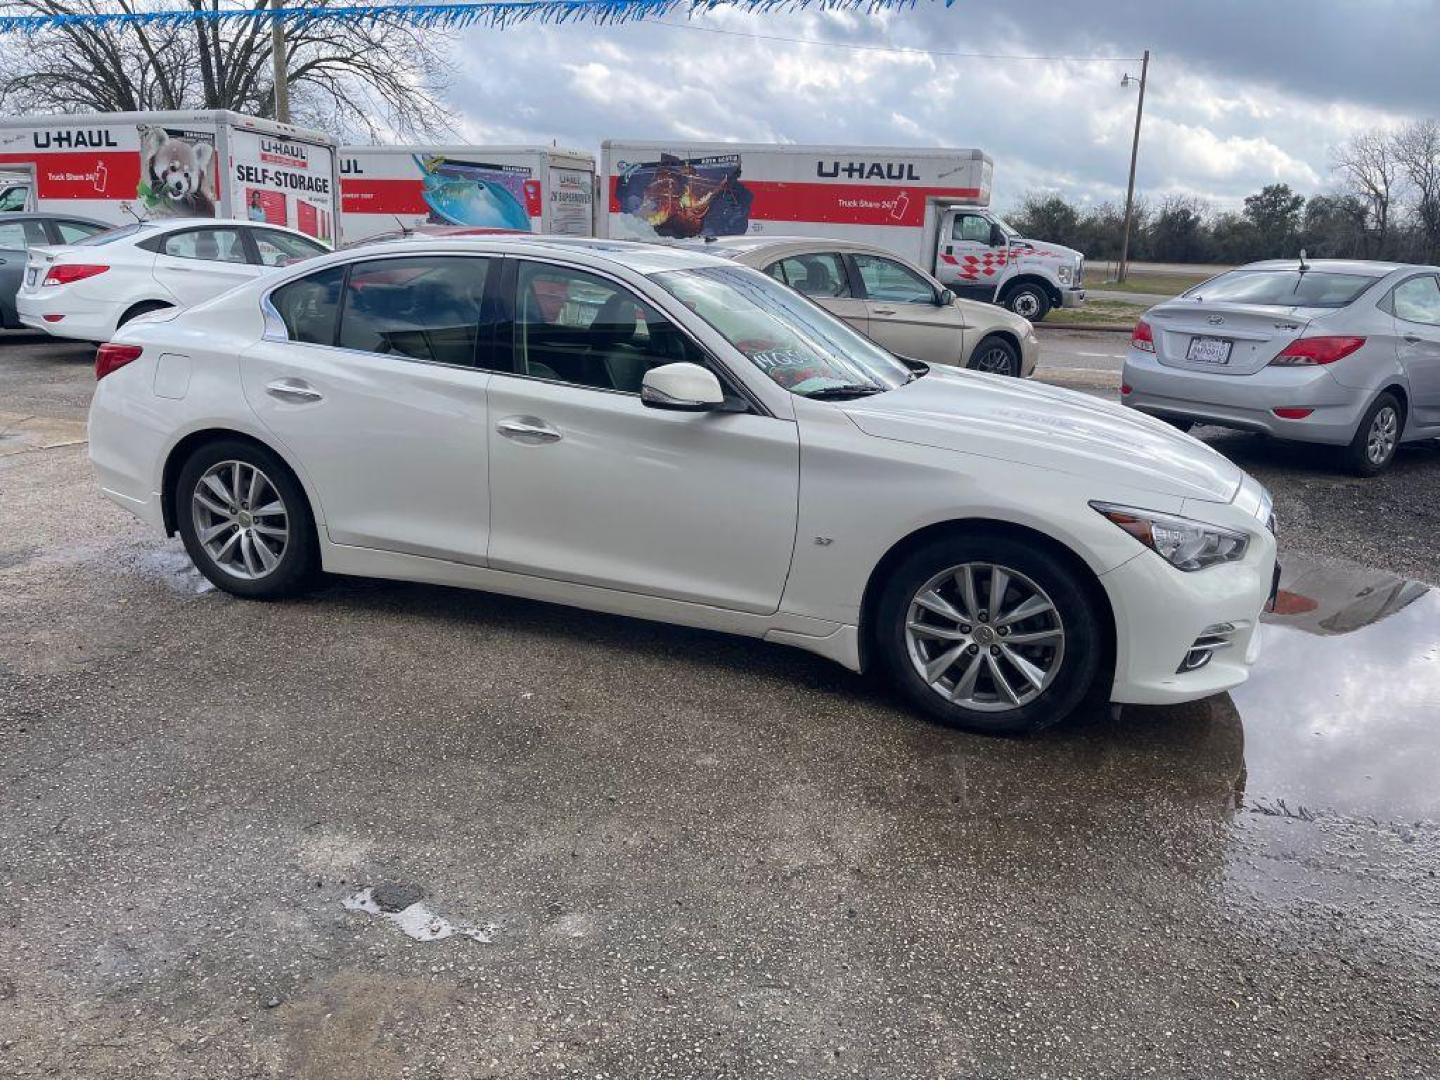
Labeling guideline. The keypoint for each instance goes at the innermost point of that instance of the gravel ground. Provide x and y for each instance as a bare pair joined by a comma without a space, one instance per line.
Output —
666,853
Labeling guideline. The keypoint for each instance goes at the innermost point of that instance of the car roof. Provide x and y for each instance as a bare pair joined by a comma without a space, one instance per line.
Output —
1360,267
642,258
733,247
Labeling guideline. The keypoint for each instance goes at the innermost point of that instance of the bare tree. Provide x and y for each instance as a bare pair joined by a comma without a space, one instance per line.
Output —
1367,162
1417,149
354,78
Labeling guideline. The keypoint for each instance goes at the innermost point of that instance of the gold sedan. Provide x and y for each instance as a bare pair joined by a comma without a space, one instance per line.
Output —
891,300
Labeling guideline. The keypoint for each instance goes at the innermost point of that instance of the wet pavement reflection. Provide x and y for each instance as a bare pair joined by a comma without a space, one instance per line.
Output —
1341,716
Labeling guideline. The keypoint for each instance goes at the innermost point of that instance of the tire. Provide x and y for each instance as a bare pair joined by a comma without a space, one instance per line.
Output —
142,308
996,356
1029,301
1377,437
1067,665
249,559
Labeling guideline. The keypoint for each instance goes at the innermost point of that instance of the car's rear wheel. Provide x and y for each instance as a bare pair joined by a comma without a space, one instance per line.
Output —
992,634
142,308
996,356
1377,437
1029,301
245,520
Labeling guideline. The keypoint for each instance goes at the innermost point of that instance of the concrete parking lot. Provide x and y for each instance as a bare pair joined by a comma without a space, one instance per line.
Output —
644,851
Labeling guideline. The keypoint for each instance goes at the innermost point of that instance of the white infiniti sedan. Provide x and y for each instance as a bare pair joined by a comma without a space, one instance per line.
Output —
664,434
89,289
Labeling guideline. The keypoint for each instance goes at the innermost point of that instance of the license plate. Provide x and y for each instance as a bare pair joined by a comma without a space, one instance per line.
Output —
1209,350
30,276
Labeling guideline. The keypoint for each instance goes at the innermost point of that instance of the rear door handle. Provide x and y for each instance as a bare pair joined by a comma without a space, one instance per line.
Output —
293,390
884,311
530,430
1413,339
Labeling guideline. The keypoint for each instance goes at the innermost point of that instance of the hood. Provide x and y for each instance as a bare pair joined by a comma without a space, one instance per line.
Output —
1045,249
1008,419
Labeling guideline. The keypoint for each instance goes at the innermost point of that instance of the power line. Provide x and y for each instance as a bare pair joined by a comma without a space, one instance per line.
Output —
893,49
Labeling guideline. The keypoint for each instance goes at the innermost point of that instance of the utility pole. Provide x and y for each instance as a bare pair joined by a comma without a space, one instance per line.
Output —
277,58
1134,152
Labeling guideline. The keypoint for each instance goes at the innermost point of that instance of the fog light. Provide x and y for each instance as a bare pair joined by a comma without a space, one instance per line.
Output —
1211,640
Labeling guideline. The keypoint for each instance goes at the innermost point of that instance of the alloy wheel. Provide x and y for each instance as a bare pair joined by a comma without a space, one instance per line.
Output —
240,519
1384,431
996,360
984,637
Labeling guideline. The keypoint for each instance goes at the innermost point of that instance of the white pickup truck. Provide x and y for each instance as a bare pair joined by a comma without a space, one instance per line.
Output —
929,205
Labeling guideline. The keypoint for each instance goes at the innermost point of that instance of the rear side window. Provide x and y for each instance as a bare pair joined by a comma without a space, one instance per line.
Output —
1284,288
20,235
73,231
814,275
282,249
208,245
1418,301
427,307
309,306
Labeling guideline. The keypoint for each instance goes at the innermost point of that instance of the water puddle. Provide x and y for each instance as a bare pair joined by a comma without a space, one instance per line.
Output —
172,566
413,918
1342,713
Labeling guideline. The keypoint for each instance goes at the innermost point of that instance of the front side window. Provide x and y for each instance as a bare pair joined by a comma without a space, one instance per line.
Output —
578,328
310,306
426,307
819,275
1283,288
799,345
71,231
282,249
1418,301
208,245
20,235
971,227
886,279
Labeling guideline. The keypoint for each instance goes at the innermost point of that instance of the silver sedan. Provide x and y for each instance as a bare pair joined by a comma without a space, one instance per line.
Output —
1338,352
892,301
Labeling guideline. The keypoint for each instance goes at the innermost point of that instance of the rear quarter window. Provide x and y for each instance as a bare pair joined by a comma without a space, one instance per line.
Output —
309,305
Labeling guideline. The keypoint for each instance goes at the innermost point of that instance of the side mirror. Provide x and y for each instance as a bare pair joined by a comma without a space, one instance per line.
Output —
682,387
944,298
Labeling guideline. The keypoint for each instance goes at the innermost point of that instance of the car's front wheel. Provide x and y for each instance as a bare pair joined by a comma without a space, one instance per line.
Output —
996,356
1377,438
245,520
1029,301
994,634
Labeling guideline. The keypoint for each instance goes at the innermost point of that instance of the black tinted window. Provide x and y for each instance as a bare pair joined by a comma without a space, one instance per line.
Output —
1284,288
574,327
308,307
427,307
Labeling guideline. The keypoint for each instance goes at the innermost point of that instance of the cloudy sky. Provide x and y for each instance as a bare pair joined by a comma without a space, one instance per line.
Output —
1242,92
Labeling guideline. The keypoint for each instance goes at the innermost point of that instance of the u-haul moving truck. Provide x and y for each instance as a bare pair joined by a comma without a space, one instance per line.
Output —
931,206
529,188
117,167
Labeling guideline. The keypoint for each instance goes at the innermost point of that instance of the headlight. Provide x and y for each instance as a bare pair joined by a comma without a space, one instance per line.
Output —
1064,275
1184,544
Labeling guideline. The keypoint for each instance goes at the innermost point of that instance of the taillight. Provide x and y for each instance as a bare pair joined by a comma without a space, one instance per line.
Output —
111,357
65,273
1143,338
1308,351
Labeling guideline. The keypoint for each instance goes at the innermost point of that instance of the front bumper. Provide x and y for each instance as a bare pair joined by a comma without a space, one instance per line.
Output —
1161,612
1246,402
1072,298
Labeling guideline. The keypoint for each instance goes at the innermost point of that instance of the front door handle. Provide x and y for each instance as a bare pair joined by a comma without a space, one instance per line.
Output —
884,311
293,390
530,430
1413,339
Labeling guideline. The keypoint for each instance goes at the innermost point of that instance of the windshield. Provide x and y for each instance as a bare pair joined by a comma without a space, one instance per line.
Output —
797,343
1283,288
1009,232
110,235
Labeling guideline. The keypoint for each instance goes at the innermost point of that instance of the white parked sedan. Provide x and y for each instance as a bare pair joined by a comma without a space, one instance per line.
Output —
664,434
88,289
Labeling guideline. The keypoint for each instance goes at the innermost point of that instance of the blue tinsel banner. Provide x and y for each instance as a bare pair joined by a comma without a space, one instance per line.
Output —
494,13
